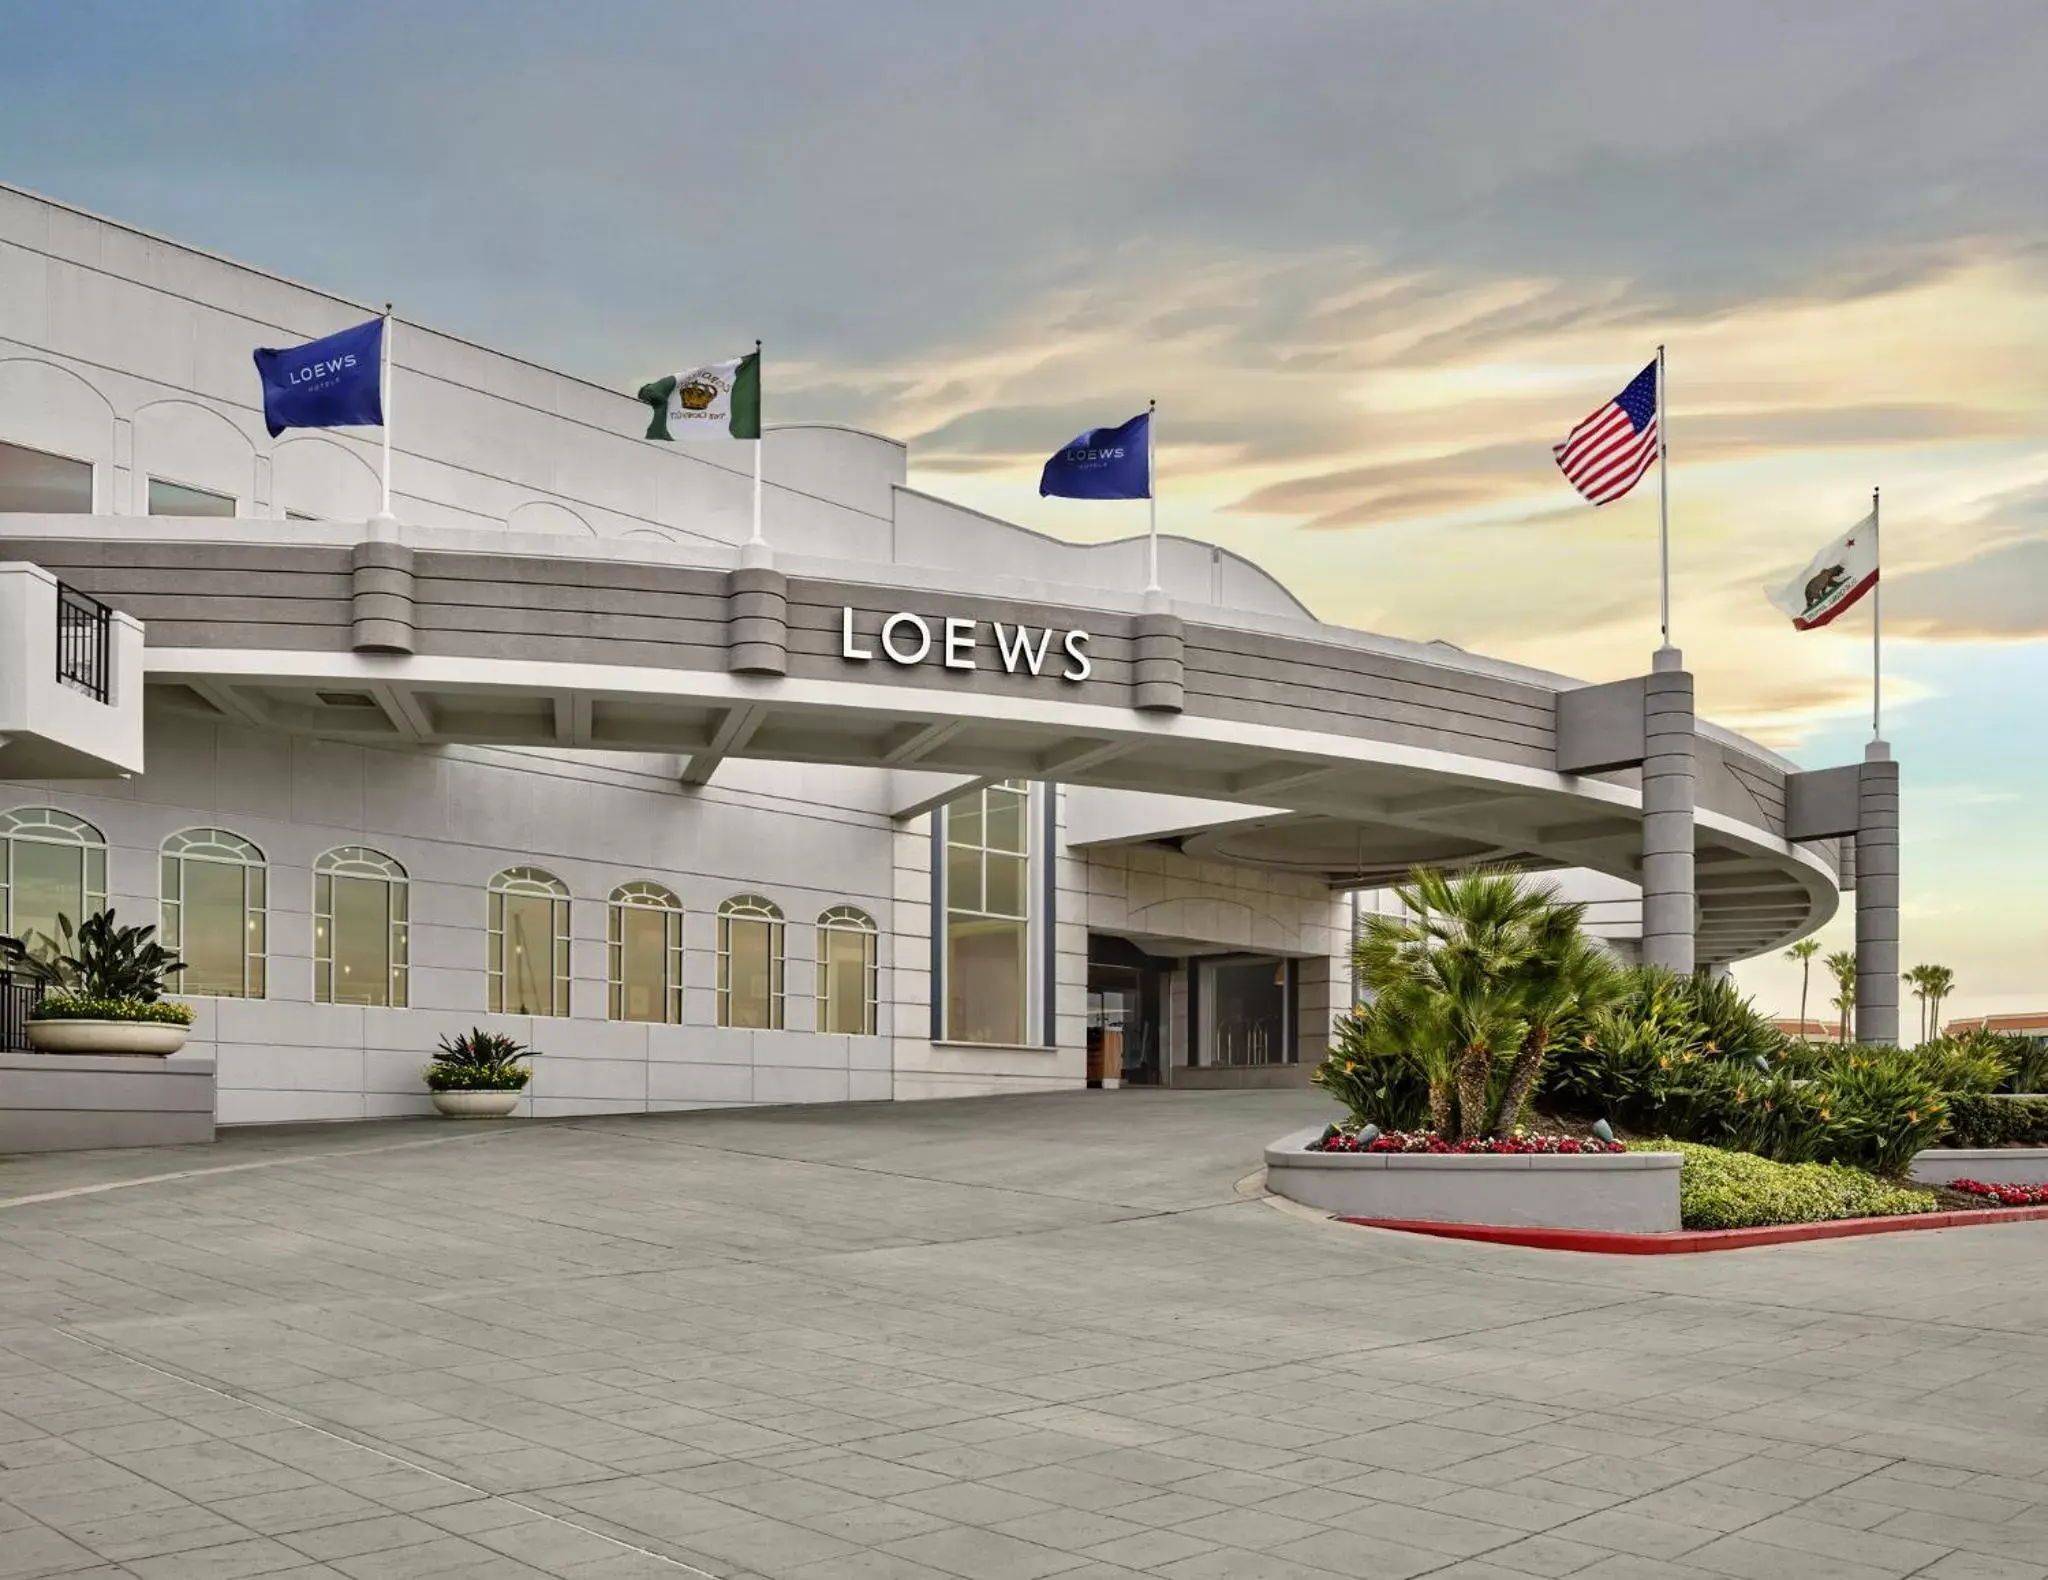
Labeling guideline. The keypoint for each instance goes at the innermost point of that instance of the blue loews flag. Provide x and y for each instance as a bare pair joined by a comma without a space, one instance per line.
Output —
1103,463
331,383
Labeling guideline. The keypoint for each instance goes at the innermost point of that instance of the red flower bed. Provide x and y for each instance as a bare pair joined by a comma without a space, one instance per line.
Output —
2004,1195
1486,1146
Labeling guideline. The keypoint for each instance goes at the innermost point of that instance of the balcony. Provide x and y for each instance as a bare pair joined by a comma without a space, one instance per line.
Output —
70,681
84,643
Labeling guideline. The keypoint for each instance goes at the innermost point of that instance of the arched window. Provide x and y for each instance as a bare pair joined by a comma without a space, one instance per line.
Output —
359,928
51,864
750,962
846,972
214,912
644,949
529,969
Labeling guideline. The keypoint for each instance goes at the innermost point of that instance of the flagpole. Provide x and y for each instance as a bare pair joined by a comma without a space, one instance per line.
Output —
1663,505
384,402
759,439
1877,630
1152,497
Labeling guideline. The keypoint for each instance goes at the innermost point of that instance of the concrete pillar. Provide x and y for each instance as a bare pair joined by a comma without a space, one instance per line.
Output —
757,621
1158,675
1877,896
380,602
1669,906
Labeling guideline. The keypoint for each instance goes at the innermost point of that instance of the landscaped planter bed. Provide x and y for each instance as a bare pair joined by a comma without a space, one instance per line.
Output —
1633,1192
2005,1165
2003,1193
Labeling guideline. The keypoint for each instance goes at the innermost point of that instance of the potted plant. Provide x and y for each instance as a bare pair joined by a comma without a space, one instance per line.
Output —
103,990
478,1075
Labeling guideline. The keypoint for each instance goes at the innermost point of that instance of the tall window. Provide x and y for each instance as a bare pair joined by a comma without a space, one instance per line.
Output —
359,928
34,482
846,972
51,864
181,499
749,962
645,954
529,967
988,915
214,912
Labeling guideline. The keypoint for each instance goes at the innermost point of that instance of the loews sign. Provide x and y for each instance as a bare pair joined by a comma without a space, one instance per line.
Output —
957,643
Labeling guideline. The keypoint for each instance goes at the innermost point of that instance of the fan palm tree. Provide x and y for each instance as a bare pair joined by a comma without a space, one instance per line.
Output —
1569,975
1842,963
1481,967
1803,952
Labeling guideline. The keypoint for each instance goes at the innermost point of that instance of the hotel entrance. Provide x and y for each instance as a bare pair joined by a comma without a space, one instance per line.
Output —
1126,996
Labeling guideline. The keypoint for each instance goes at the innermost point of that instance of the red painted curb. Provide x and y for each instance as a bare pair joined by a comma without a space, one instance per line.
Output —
1682,1242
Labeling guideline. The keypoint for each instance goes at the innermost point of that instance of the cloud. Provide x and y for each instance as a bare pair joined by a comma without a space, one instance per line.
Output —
1372,256
850,181
1999,596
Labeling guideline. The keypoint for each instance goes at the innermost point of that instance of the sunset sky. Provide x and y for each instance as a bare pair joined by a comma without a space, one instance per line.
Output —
1372,259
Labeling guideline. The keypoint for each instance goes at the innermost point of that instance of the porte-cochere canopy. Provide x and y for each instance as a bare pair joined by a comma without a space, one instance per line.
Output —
1325,751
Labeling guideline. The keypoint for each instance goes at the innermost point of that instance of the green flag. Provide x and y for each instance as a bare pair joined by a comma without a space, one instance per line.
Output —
719,401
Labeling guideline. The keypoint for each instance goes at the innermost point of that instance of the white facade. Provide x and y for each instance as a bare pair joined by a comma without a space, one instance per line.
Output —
1195,884
130,355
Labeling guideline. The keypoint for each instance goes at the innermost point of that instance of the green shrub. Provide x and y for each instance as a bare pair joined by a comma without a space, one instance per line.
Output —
1978,1062
1776,1114
97,959
1688,1057
1371,1072
1887,1104
478,1061
1620,1062
2029,1059
1719,1189
1730,1024
77,1006
1979,1121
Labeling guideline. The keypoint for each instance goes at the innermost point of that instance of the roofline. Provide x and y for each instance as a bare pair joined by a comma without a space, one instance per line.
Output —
373,309
1103,543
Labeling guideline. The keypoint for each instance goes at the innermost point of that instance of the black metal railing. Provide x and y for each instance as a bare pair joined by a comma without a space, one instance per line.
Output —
18,995
84,642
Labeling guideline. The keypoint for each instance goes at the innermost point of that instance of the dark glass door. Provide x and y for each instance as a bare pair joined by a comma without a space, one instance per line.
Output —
1123,1024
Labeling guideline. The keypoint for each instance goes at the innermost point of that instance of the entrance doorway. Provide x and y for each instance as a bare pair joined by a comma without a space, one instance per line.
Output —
1126,993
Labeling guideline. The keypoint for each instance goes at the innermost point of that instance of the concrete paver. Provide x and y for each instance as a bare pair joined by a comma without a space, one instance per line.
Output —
1039,1337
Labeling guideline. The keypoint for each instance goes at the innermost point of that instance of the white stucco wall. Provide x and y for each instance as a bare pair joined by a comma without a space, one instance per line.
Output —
806,837
132,353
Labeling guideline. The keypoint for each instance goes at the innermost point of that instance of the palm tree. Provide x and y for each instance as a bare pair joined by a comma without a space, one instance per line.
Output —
1803,952
1842,963
1569,975
1916,979
1940,982
1482,966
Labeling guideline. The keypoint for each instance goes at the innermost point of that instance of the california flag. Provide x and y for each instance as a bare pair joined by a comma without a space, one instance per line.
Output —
1840,574
722,401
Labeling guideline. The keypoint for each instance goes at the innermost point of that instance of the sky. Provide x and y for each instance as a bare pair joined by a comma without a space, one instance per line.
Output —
1372,258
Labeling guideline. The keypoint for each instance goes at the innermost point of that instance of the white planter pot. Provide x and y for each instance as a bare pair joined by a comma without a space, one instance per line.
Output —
476,1105
107,1036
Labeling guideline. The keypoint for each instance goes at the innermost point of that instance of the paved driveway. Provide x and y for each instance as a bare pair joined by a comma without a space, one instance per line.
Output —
992,1340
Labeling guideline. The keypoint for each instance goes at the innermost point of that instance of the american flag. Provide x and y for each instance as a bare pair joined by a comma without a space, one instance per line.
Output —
1605,455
